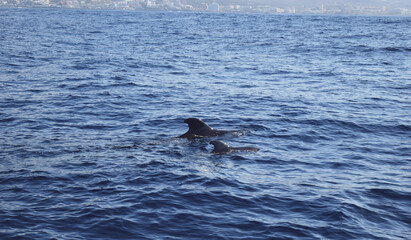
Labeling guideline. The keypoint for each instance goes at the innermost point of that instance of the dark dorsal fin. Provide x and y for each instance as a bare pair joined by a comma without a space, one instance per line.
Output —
196,124
220,147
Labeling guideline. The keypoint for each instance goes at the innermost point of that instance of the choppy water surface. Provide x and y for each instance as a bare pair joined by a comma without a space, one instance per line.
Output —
91,103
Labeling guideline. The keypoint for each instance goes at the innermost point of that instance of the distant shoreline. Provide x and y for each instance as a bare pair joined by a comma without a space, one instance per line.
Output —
204,11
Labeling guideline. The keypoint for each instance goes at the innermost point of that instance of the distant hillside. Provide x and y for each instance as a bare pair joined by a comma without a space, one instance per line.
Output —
306,3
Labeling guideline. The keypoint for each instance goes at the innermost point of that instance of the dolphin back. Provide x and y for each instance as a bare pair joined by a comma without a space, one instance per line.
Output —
245,149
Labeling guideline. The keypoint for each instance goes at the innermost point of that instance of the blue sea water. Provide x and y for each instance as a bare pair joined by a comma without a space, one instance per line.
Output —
91,103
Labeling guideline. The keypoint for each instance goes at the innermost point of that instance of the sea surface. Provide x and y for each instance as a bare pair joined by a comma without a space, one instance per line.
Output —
91,103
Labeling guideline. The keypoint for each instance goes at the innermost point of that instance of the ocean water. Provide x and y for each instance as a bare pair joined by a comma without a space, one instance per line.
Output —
91,103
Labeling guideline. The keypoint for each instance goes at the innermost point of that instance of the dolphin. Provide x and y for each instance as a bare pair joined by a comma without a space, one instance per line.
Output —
198,129
222,148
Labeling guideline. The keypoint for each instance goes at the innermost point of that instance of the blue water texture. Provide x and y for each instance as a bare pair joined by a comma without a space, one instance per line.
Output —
91,103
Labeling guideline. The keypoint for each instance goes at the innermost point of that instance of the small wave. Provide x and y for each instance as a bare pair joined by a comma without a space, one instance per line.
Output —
248,86
125,84
308,137
82,66
391,194
392,49
396,49
134,66
95,32
218,182
76,79
275,72
178,73
325,74
398,129
84,86
113,227
117,78
151,164
154,65
255,127
36,90
355,211
30,177
94,127
7,120
363,48
336,124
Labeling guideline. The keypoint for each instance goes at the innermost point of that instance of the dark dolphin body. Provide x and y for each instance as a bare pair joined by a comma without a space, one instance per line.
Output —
199,129
222,148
